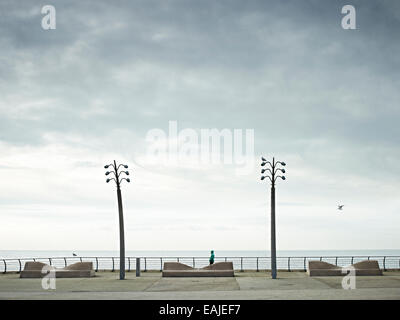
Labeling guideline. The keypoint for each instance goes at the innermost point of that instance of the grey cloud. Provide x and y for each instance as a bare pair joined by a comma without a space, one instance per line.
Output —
112,71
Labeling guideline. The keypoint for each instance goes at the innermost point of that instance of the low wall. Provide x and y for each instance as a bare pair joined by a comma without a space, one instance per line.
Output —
362,268
219,269
76,270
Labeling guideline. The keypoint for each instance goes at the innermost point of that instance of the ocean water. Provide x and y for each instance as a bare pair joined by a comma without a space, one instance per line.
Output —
14,260
5,254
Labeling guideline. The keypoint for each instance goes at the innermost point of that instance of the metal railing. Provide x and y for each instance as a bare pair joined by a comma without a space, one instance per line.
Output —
239,263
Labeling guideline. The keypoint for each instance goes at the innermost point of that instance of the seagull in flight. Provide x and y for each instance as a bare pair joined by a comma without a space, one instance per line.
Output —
340,206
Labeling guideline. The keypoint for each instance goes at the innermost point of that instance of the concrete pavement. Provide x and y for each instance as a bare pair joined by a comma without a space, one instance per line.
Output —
245,285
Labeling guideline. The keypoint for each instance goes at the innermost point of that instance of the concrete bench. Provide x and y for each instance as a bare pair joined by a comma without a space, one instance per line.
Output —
363,268
76,270
219,269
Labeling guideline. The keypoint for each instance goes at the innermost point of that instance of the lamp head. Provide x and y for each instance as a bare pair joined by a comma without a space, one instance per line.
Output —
108,180
263,164
263,159
129,180
127,173
283,163
283,170
125,166
107,173
283,178
105,167
263,170
263,177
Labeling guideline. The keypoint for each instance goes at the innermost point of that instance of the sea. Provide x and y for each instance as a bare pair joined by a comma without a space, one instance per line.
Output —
14,260
6,254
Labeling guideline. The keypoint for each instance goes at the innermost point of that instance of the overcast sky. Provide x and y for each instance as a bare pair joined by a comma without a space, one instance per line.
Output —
323,99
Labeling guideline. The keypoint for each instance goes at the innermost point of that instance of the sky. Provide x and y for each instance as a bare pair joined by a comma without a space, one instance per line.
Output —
319,97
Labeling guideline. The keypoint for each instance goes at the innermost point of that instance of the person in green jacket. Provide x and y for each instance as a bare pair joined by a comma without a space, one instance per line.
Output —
212,257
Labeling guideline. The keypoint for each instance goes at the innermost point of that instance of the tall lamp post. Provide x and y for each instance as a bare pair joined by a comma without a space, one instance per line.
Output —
118,180
272,175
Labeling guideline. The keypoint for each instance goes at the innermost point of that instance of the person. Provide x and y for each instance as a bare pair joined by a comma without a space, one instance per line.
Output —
212,257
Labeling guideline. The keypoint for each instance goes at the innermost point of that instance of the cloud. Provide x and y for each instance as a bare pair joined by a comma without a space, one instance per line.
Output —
322,98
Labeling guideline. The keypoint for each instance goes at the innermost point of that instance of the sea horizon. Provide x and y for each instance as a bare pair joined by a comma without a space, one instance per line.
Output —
6,254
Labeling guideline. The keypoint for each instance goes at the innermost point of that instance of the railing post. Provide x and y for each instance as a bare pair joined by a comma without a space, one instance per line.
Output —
65,262
80,258
5,266
34,260
177,259
320,259
137,267
19,261
129,264
112,264
50,260
368,258
241,264
193,263
97,264
384,263
336,261
257,264
289,264
352,260
305,268
145,264
161,264
225,259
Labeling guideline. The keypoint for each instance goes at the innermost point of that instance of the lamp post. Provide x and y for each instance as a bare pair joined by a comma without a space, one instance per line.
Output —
117,172
272,175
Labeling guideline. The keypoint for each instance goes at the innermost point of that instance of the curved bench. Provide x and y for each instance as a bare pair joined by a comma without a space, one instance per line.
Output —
75,270
363,268
219,269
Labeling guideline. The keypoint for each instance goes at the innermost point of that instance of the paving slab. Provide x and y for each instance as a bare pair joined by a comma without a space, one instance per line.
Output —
319,294
195,284
385,281
281,283
245,285
103,281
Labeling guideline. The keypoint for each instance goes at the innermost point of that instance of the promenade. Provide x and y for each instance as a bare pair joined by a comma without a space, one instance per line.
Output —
245,285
